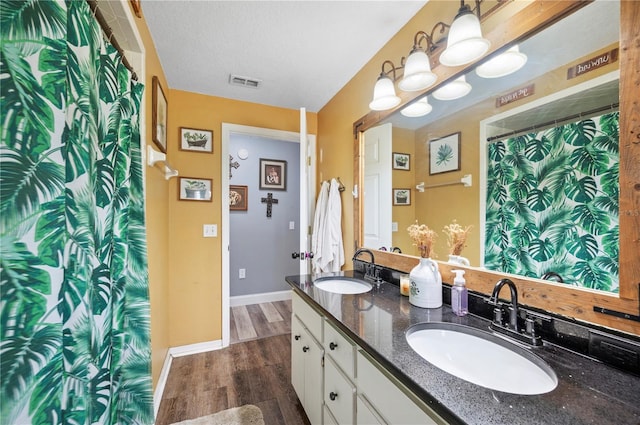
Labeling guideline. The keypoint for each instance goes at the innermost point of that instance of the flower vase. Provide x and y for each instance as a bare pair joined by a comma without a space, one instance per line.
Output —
426,285
458,259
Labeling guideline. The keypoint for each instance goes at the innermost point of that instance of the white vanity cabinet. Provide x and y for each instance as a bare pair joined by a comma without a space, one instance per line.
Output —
307,358
340,384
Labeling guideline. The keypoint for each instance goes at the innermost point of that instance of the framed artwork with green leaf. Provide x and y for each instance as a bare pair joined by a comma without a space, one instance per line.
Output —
444,154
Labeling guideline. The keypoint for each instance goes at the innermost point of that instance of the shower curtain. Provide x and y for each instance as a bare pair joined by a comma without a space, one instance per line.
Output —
74,316
552,203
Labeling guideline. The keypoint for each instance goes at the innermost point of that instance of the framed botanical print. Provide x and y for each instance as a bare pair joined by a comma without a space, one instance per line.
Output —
444,154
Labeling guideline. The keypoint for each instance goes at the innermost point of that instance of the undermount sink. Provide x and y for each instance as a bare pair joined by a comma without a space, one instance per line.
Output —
482,358
342,285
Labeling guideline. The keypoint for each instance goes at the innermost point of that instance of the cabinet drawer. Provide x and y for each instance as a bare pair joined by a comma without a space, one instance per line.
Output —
307,315
341,350
390,398
339,393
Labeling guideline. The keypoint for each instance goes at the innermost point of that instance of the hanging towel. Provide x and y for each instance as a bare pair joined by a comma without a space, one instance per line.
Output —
318,226
332,253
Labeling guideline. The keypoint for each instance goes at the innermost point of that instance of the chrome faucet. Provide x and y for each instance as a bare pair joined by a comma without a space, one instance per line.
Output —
513,319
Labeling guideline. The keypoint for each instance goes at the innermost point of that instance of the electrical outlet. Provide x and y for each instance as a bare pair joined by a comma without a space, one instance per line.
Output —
242,273
210,230
394,226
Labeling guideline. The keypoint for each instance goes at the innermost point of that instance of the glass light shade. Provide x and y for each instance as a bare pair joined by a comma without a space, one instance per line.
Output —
454,90
417,109
384,95
503,64
417,72
465,42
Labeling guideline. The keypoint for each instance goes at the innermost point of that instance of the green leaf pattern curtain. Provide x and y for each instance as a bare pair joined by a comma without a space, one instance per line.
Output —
552,203
74,316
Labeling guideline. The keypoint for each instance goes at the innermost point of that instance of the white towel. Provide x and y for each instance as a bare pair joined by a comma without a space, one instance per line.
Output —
318,226
332,250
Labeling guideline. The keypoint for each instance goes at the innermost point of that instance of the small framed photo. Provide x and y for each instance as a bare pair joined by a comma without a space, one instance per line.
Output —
196,140
401,196
401,161
194,189
159,111
444,154
238,198
273,174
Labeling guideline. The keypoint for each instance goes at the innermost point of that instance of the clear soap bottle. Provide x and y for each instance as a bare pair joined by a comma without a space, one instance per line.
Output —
459,294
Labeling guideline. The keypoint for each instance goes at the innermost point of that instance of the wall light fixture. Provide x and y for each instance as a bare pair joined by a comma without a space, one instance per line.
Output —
384,92
465,43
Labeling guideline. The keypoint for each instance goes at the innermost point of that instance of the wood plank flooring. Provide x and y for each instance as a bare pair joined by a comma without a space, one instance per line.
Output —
255,369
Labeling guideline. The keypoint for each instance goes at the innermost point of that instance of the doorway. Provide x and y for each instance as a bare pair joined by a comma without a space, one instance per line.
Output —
253,242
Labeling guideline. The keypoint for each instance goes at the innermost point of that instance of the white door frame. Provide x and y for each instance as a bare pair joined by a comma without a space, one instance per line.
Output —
307,173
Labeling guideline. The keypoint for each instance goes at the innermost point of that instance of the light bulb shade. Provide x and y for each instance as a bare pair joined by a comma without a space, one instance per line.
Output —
384,95
503,64
465,42
417,109
417,72
454,90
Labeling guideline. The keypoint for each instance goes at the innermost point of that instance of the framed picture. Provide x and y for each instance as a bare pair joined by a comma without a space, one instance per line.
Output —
402,196
401,161
159,116
444,154
196,140
194,189
238,198
273,174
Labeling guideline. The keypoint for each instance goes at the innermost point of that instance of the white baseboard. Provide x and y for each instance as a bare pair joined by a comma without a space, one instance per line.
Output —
162,381
265,297
183,350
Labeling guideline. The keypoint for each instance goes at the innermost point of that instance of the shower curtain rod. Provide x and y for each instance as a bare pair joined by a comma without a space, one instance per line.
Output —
555,122
108,32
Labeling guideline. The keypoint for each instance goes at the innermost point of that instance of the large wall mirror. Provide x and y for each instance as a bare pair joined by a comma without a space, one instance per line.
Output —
570,83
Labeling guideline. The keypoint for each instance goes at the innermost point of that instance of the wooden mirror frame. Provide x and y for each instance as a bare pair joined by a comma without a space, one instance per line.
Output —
618,311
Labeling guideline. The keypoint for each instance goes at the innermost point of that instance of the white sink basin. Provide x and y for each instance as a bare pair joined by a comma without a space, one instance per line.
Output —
482,358
342,285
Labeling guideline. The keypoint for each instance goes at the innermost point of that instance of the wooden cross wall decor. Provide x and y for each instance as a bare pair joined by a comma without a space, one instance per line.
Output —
269,200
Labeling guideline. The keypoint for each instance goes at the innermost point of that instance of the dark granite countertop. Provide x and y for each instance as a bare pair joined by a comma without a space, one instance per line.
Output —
588,391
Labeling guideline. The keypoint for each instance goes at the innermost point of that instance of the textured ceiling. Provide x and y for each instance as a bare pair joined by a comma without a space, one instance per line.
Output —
303,51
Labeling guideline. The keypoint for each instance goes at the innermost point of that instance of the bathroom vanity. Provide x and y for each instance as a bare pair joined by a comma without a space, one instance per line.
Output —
351,363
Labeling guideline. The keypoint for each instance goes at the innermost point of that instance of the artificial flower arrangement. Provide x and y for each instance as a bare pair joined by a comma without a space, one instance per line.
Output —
456,237
423,238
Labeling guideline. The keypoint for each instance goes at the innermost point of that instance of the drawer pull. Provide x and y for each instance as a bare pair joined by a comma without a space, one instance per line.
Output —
305,348
297,337
333,395
333,346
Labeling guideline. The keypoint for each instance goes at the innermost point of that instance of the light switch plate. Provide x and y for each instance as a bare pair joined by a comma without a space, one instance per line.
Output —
292,225
210,230
394,226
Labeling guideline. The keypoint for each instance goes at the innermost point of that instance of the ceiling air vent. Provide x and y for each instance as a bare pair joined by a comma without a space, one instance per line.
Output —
237,80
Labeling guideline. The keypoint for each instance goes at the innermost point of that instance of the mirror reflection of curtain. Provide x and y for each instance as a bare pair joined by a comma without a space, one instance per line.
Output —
552,203
75,309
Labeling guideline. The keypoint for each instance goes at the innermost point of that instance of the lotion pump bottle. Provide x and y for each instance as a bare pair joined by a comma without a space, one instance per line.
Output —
459,294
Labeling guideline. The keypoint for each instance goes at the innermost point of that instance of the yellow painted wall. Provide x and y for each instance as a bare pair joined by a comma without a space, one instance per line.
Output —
157,219
195,263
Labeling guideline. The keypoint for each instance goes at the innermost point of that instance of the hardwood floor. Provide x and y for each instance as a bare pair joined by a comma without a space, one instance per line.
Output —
254,369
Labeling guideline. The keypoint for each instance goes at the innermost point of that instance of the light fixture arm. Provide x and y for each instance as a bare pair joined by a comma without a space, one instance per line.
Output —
392,70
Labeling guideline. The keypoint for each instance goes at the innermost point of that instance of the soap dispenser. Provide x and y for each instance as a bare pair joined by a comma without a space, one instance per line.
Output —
459,294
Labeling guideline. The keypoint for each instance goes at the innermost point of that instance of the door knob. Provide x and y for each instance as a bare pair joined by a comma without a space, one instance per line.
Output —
333,346
333,395
295,255
297,337
305,348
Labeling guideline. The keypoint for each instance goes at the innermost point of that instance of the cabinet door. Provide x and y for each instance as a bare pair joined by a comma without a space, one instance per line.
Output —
339,393
389,397
313,381
365,413
298,337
